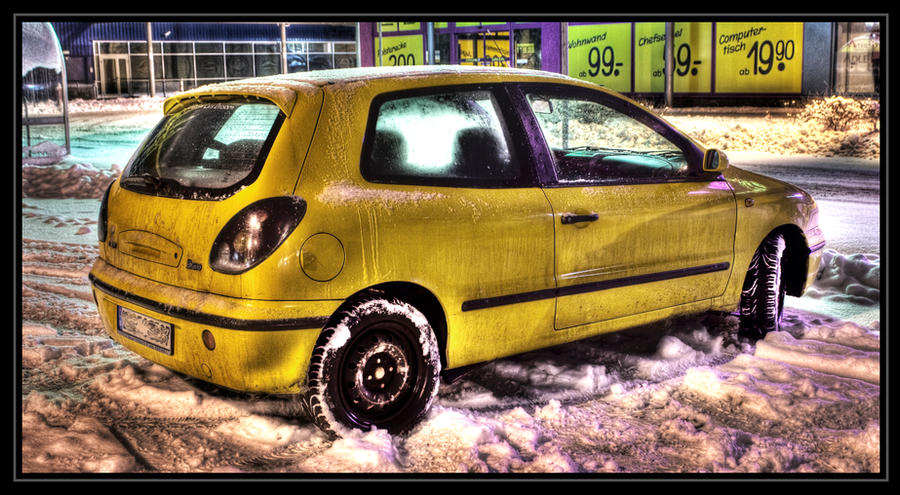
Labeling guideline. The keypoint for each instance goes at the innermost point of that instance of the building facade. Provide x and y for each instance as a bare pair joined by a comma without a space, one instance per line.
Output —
717,60
112,59
710,60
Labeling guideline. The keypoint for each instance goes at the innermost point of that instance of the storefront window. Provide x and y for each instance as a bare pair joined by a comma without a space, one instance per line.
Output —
528,48
320,62
239,66
344,61
441,49
178,47
210,66
266,48
106,48
178,67
486,48
267,65
858,57
238,48
209,47
123,67
345,48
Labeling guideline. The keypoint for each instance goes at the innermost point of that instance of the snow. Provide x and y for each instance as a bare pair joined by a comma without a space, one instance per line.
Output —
40,48
685,395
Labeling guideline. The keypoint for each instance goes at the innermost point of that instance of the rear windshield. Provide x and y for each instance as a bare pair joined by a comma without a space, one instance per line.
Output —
205,151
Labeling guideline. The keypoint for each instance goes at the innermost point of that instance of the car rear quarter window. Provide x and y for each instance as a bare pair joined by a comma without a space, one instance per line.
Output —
205,150
454,138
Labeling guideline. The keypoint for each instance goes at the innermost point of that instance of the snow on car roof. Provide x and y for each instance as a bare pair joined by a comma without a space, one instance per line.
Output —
282,89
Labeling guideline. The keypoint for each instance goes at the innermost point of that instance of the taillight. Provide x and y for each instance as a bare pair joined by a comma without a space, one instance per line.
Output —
254,233
104,214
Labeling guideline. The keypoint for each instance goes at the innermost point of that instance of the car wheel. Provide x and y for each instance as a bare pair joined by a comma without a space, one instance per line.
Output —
378,366
762,298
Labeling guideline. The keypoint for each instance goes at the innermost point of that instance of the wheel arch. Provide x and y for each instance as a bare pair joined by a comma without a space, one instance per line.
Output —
421,298
795,257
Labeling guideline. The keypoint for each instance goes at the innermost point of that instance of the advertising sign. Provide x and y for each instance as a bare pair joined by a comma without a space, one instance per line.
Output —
477,24
400,50
759,57
692,57
601,53
392,27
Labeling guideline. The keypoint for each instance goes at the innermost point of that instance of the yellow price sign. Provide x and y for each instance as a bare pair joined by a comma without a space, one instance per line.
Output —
477,24
388,27
757,57
601,53
393,27
692,57
400,50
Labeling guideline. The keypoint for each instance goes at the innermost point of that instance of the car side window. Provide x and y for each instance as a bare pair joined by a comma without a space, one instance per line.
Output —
592,142
448,138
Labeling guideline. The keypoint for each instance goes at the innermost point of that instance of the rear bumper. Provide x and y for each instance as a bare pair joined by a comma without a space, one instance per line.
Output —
260,346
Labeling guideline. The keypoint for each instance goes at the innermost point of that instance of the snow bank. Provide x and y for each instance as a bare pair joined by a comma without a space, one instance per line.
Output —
452,440
370,452
117,105
796,385
853,278
79,180
786,132
83,444
825,357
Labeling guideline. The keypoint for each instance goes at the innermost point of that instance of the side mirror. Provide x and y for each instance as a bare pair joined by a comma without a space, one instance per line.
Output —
541,106
715,161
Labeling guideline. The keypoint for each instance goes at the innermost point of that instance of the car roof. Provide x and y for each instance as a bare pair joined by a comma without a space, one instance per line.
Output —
283,89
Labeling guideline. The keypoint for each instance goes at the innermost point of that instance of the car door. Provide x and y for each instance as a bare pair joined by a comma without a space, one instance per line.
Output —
638,226
452,203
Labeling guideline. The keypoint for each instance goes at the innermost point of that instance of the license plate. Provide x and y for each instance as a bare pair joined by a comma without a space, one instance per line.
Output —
145,330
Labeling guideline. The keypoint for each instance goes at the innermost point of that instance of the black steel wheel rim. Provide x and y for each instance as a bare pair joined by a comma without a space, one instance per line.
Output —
379,374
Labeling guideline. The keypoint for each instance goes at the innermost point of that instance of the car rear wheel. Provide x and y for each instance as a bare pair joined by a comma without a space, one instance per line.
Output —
762,297
378,366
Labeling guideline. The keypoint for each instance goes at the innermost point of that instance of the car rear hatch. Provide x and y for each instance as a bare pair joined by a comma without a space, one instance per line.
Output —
211,155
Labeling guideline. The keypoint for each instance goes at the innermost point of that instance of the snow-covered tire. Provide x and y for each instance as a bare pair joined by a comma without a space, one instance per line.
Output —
762,298
378,366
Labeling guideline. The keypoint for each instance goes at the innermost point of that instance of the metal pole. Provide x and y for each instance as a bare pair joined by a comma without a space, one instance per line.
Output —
27,125
380,51
284,65
429,30
670,61
150,60
358,47
832,64
65,102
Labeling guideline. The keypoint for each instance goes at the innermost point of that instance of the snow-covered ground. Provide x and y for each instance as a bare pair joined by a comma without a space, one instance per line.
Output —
681,396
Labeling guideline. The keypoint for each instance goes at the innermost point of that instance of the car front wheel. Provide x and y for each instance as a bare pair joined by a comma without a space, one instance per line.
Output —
378,366
762,297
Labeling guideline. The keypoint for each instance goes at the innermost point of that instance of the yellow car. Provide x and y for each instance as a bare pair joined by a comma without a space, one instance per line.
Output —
352,236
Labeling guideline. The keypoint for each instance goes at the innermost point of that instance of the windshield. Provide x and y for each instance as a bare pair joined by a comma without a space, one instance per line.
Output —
204,151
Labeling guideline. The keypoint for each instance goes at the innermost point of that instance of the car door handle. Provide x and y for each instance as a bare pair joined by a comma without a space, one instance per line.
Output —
569,218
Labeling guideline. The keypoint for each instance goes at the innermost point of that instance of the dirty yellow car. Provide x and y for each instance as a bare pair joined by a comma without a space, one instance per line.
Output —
352,236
